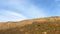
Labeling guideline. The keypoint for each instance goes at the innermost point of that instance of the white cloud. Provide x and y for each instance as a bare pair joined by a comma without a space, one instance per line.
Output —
6,15
2,18
24,6
28,8
15,14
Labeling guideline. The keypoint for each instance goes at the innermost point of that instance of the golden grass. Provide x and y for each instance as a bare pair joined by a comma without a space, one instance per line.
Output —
49,25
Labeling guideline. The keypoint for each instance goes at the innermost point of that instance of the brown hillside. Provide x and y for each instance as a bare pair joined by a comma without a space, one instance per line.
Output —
50,25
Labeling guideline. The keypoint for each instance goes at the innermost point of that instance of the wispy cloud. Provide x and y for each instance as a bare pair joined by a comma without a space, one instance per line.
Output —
6,15
28,10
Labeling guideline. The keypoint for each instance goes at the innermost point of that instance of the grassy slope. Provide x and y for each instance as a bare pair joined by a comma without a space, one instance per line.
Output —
35,26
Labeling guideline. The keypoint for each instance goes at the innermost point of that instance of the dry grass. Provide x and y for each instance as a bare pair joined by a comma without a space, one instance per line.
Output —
49,25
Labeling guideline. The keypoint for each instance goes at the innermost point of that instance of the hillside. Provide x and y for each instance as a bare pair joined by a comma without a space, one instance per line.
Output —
47,25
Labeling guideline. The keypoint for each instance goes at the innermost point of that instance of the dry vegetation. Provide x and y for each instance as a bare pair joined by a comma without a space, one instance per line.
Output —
49,25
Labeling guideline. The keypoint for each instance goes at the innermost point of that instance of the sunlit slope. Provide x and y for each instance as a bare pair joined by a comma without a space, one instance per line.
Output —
50,25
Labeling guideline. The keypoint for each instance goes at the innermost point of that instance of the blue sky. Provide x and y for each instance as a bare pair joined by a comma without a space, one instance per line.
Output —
16,10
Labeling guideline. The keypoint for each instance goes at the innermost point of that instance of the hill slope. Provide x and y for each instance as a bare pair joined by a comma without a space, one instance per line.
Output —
50,25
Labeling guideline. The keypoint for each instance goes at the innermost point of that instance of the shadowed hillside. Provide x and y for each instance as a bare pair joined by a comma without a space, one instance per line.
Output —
50,25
